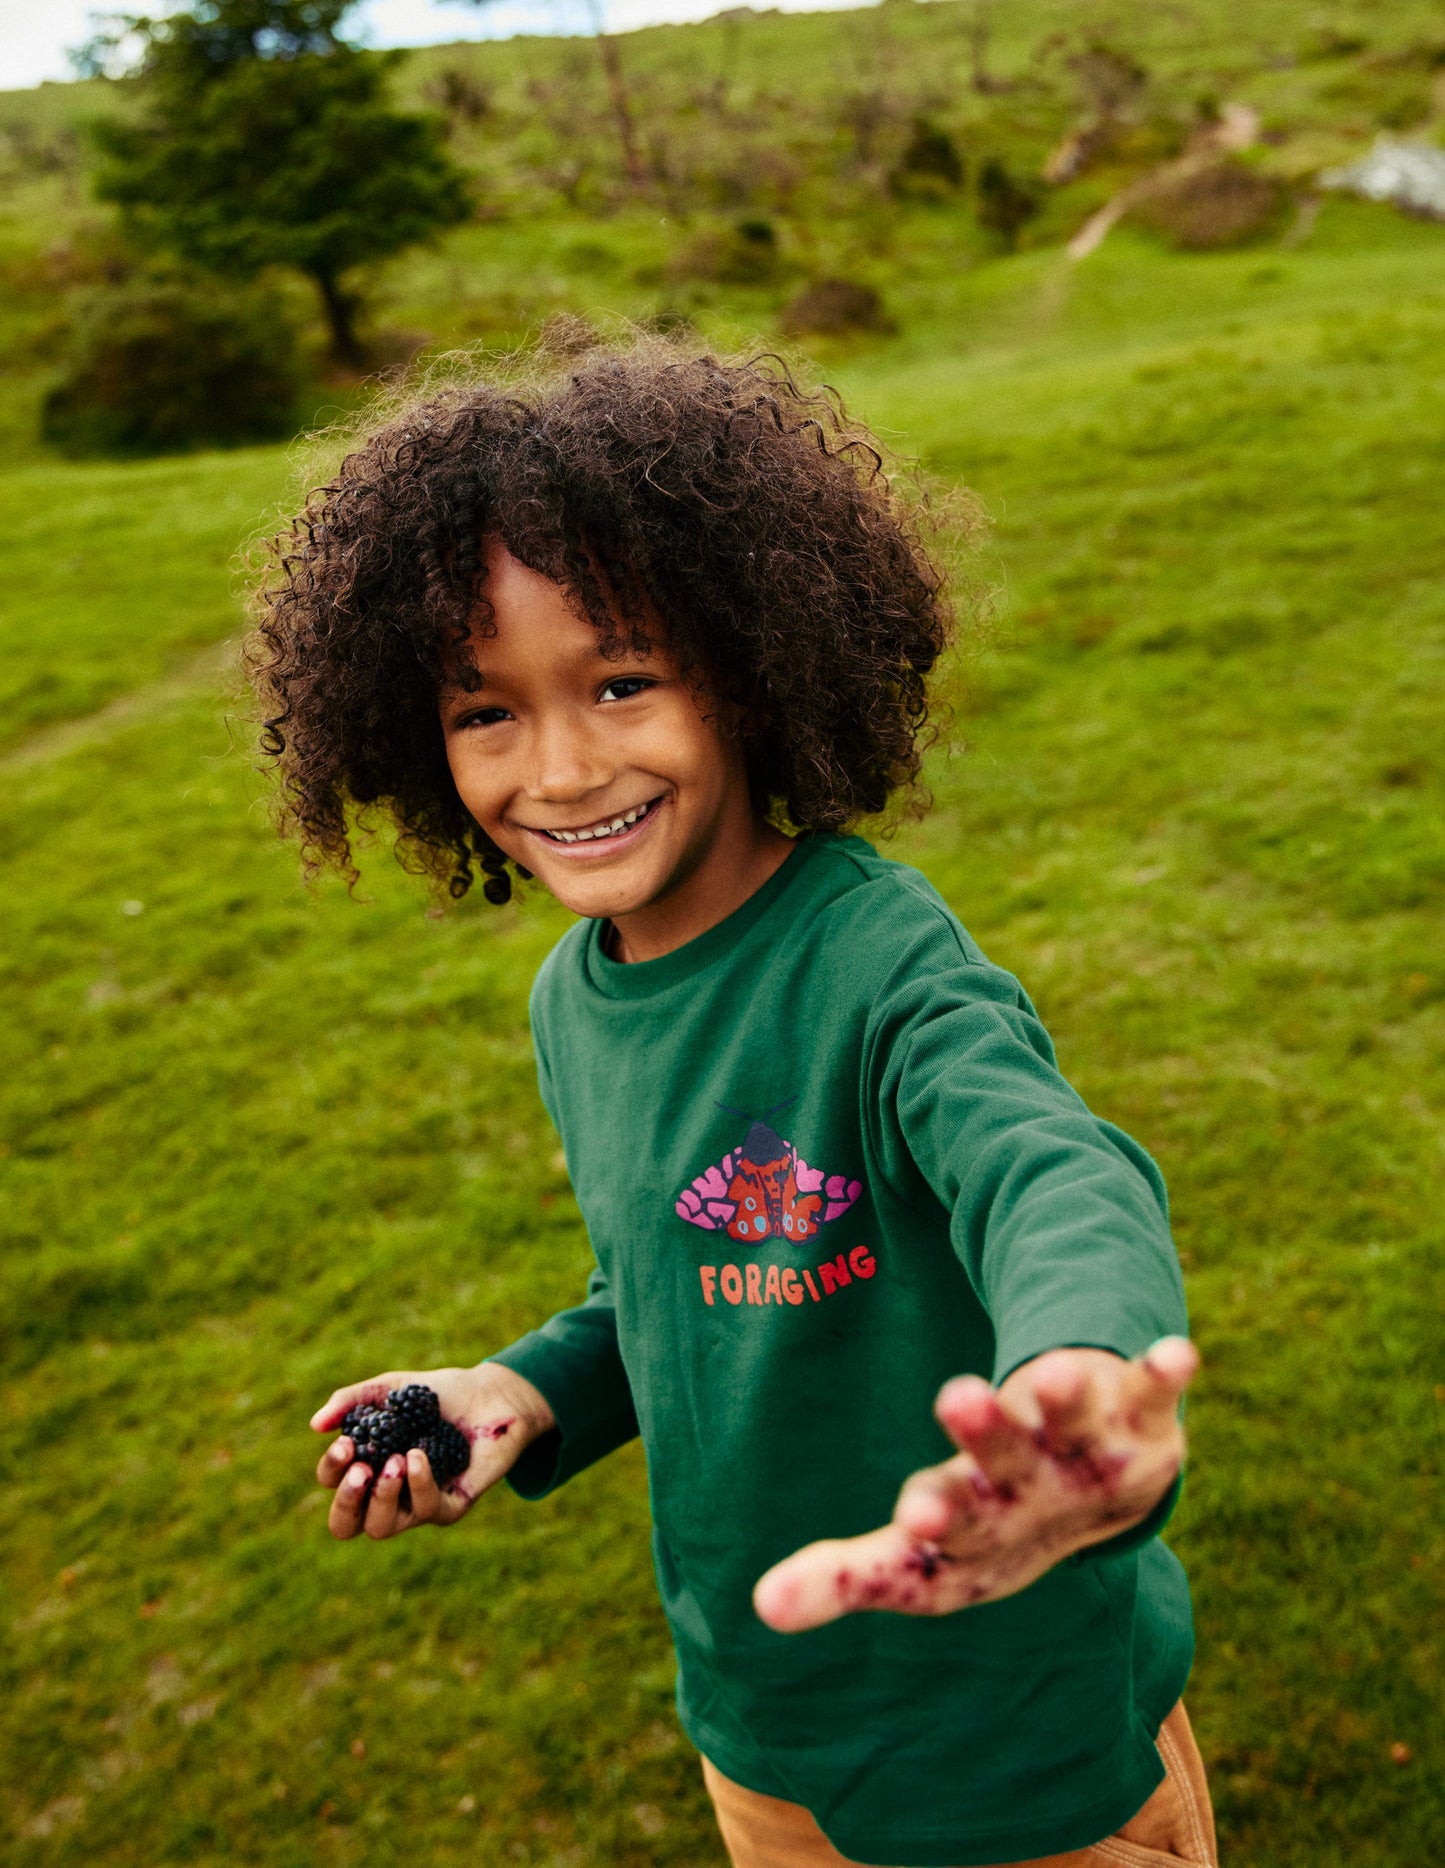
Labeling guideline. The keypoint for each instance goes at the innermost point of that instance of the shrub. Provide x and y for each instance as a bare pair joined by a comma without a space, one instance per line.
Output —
1004,204
159,366
1226,204
463,98
834,307
930,166
746,254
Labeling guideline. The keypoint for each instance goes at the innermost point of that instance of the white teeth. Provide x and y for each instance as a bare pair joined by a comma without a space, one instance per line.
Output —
613,829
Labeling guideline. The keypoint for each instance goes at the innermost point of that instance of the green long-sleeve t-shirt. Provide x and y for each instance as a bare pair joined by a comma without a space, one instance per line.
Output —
827,1161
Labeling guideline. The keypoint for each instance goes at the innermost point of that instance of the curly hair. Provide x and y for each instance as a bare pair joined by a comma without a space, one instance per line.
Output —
748,513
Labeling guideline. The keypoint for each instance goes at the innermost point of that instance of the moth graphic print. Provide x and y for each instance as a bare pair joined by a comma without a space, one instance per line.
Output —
764,1189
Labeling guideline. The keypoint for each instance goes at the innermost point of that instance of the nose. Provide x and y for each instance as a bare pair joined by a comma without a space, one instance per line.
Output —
568,760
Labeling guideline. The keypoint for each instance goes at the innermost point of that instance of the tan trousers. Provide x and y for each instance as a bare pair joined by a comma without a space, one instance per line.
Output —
1176,1825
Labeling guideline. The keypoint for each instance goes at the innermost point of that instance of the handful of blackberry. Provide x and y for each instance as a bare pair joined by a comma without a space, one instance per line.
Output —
411,1417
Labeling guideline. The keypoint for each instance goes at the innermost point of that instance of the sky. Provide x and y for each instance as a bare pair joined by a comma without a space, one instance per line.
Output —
36,34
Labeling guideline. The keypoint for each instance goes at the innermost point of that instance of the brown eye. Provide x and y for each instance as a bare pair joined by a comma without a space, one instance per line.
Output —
625,687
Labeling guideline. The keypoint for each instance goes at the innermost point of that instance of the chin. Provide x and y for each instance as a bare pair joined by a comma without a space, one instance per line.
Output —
599,897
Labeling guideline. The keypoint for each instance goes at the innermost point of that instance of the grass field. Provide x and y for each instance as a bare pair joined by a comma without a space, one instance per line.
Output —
256,1143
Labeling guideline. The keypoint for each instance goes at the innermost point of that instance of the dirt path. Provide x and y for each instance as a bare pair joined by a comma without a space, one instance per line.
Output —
205,669
1237,128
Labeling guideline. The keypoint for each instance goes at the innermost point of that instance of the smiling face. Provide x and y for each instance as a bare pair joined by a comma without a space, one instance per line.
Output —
611,780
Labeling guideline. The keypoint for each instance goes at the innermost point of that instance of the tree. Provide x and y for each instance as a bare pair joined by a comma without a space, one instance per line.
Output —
618,94
266,139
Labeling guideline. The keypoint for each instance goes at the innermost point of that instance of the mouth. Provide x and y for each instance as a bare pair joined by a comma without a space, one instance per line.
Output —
603,837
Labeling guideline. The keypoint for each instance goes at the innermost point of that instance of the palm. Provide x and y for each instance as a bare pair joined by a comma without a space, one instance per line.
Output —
1075,1447
499,1413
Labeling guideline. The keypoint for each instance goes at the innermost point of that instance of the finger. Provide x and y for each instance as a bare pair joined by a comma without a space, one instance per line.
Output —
886,1569
1146,1406
331,1412
426,1496
344,1518
1072,1419
942,1503
1003,1447
332,1465
1170,1365
383,1512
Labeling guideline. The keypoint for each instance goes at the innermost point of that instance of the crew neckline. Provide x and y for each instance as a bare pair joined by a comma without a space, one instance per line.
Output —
640,979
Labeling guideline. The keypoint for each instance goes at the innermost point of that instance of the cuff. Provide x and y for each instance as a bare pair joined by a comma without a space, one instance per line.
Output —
1014,1355
1014,1346
592,1406
1137,1534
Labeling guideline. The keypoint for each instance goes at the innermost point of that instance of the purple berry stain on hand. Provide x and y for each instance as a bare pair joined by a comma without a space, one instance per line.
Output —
409,1417
925,1561
899,1584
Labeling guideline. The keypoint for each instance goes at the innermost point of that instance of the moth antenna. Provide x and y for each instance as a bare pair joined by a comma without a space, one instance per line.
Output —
747,1114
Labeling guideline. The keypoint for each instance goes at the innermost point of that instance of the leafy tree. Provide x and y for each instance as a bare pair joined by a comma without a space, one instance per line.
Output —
266,139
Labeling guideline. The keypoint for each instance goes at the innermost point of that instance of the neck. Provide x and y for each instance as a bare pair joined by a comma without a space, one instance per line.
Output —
734,867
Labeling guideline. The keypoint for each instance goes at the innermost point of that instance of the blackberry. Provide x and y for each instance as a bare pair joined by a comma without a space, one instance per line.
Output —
448,1451
416,1407
411,1417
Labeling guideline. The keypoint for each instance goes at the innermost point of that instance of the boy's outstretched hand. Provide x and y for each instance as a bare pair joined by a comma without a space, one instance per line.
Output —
1075,1447
499,1411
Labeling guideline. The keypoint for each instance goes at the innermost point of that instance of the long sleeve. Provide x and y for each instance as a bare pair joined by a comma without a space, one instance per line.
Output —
1059,1219
574,1361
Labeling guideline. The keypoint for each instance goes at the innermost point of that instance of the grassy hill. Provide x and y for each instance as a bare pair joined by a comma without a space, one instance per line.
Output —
256,1142
798,126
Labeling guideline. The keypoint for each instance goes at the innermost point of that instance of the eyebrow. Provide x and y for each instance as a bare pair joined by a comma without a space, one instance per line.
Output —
581,659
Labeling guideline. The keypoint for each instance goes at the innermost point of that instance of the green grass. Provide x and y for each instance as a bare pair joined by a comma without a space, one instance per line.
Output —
113,574
257,1143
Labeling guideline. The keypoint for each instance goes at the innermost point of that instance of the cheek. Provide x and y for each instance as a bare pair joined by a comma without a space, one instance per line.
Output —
704,759
479,782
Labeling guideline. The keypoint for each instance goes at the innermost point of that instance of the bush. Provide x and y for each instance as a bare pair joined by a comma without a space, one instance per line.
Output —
1005,205
160,366
930,167
746,254
834,307
1226,204
464,98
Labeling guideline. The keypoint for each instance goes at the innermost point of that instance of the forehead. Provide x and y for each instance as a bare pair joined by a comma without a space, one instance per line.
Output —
528,625
519,603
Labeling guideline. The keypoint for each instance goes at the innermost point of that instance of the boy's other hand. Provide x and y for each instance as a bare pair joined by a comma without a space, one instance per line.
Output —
498,1410
1074,1448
